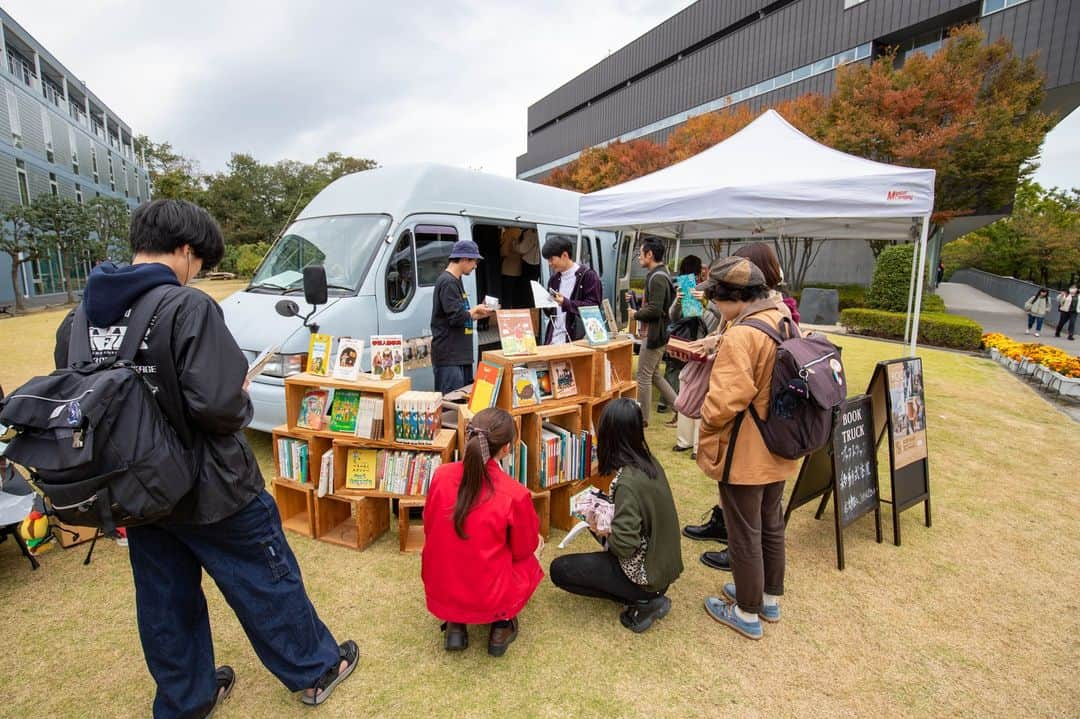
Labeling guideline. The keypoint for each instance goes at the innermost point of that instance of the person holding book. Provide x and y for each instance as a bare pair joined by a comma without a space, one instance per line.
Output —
641,555
686,434
653,314
482,535
452,320
571,286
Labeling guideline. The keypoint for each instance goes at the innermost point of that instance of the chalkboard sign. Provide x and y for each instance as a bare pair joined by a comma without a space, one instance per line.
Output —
855,461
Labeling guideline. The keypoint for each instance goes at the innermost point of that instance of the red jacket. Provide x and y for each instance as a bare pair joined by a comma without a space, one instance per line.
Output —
491,575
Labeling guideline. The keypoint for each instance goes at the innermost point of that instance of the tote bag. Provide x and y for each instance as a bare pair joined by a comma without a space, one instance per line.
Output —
693,386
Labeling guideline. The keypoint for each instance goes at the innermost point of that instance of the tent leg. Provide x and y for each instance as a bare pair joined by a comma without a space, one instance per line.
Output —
911,295
920,255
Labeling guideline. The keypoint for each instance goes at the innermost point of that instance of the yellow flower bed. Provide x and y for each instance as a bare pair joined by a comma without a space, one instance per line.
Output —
1052,358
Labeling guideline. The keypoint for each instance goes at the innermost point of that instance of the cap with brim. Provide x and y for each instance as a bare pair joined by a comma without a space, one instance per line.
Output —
465,250
734,272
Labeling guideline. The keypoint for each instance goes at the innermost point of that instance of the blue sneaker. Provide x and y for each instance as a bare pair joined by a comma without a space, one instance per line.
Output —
769,614
724,613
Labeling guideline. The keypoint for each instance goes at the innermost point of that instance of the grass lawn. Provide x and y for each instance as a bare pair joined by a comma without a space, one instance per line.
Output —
935,628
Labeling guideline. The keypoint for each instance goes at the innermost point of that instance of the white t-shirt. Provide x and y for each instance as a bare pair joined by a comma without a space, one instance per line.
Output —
566,286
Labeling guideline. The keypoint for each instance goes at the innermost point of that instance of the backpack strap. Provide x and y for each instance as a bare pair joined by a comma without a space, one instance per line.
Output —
79,342
785,330
142,314
730,454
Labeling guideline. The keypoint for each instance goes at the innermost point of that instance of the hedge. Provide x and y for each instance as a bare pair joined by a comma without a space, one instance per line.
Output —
935,328
892,282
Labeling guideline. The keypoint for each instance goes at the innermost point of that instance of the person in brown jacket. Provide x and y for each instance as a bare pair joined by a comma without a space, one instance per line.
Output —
733,453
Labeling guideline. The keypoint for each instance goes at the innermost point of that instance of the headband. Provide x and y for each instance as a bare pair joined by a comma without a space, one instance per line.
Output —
481,432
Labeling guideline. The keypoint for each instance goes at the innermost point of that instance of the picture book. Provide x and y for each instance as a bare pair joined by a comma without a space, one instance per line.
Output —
387,351
318,358
258,364
360,468
313,409
292,456
595,327
609,317
562,374
486,387
691,306
418,352
516,332
542,372
525,393
347,362
344,411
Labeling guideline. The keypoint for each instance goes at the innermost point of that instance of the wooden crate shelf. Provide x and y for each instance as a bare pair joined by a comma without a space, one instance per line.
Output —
581,361
296,505
353,522
410,536
620,353
296,385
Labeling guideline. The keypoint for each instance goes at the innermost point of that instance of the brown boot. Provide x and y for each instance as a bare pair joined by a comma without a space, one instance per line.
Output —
501,636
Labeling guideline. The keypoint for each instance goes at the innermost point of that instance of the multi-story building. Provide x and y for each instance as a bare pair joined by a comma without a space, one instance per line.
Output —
719,53
58,137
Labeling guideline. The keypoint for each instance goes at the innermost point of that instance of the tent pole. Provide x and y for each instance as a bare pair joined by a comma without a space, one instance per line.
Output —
911,294
919,288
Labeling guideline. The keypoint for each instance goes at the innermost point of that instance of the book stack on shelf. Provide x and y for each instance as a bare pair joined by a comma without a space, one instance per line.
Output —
401,472
293,459
418,417
565,456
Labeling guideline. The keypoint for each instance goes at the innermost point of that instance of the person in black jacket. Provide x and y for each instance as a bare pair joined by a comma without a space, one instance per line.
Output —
653,315
228,525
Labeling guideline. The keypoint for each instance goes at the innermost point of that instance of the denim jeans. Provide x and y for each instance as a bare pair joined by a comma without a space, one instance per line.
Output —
1036,321
248,558
452,377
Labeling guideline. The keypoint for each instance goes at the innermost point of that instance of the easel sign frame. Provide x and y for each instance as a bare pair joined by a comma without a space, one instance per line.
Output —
896,392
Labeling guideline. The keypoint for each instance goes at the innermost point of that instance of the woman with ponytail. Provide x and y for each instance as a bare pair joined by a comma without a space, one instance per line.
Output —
481,538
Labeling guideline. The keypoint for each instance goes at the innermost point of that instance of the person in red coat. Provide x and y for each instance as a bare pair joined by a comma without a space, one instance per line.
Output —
481,537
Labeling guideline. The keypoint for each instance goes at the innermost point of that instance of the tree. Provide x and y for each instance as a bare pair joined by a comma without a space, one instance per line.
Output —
22,243
110,219
600,167
172,175
64,224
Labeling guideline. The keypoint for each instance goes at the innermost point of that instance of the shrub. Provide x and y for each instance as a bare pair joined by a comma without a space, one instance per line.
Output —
892,281
935,328
243,259
850,295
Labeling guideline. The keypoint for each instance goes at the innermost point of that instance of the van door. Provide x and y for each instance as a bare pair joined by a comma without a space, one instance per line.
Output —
626,260
406,277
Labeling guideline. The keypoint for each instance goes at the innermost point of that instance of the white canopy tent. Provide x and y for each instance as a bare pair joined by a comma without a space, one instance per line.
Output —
771,180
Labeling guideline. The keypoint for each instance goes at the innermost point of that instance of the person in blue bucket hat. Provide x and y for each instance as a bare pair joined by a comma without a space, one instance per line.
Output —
452,320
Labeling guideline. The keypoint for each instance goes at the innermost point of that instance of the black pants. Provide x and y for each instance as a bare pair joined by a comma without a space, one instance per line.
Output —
597,574
754,515
1070,318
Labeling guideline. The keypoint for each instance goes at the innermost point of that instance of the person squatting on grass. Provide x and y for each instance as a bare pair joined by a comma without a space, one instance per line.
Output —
641,556
227,525
1037,306
481,539
751,477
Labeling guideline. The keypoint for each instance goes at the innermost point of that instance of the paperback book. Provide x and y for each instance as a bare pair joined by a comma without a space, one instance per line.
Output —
609,317
525,392
387,352
347,363
417,416
595,329
369,417
292,455
486,387
516,334
542,374
361,468
691,306
344,411
562,373
318,358
313,409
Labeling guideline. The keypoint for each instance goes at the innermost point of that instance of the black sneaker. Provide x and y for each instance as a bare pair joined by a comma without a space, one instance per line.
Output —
225,679
349,653
640,616
457,637
717,560
712,530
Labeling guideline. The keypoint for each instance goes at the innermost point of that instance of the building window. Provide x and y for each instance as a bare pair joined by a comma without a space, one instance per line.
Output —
93,164
989,7
24,184
53,186
78,194
13,116
74,150
46,129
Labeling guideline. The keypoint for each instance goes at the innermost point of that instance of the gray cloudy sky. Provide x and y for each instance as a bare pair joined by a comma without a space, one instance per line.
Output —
447,81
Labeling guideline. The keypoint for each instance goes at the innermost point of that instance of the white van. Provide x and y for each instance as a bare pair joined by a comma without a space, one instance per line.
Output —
384,236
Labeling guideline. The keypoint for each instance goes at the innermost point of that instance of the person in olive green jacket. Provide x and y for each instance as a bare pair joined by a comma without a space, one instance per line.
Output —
642,555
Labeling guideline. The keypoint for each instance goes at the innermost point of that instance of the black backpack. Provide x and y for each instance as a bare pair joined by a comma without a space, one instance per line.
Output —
807,389
96,441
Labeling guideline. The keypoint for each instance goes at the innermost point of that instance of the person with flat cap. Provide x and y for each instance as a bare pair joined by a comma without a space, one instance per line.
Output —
452,320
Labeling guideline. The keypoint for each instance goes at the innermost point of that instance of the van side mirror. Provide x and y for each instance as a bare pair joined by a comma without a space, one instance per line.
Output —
287,308
315,285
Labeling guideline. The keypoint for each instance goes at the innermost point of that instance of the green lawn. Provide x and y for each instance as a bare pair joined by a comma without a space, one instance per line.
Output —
939,627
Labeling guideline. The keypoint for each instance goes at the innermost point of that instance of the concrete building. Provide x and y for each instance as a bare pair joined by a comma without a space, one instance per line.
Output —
56,136
718,53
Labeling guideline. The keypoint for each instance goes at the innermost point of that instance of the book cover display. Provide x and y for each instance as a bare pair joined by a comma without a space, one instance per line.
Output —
595,327
691,306
525,392
609,317
344,410
313,409
562,373
387,352
347,360
318,358
360,468
486,386
542,374
516,334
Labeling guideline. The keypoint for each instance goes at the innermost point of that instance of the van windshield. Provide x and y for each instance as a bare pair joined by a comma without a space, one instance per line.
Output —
343,245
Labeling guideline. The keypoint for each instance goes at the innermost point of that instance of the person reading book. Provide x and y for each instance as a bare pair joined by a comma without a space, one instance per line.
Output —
572,286
641,555
482,536
452,320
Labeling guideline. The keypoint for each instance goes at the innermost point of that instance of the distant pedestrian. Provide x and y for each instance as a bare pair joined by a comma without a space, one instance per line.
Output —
1068,304
1037,307
452,320
940,272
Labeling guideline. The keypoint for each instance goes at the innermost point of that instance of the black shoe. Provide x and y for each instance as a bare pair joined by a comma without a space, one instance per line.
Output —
677,448
661,409
693,456
225,679
714,529
457,637
640,616
717,560
502,633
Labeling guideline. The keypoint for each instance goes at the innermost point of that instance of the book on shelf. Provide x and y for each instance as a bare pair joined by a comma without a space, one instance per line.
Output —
417,416
326,473
318,358
406,472
347,359
387,352
516,461
516,333
369,417
344,410
292,455
609,317
524,393
595,327
486,387
542,374
608,384
312,413
564,455
691,306
563,382
361,468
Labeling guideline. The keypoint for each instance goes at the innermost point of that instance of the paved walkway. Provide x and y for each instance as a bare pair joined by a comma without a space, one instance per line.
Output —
998,316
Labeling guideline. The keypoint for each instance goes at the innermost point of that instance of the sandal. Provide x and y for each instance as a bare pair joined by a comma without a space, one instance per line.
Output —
324,685
226,680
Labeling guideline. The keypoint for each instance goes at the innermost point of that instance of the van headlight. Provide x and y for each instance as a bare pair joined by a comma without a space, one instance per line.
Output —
285,365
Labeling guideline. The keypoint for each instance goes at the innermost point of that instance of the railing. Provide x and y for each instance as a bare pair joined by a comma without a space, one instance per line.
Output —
52,93
99,129
1009,289
77,113
21,69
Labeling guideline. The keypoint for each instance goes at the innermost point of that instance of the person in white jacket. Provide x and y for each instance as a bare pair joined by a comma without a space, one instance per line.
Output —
1037,307
1068,304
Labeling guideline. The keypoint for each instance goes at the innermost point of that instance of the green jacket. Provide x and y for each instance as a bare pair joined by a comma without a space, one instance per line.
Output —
645,508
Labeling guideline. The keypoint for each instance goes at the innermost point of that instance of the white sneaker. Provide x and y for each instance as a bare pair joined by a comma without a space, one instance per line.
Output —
1027,332
1036,334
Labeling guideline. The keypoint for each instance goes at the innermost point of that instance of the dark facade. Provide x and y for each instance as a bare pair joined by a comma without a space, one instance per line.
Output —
724,52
